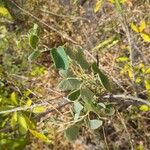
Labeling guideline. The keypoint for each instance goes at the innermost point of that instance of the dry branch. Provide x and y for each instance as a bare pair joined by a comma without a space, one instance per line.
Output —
127,97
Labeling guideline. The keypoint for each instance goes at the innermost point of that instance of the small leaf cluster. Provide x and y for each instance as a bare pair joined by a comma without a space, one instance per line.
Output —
145,36
82,80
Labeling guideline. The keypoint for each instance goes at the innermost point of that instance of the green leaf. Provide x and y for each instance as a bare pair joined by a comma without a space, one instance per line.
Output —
77,110
69,84
39,109
33,40
28,102
13,98
95,124
78,56
86,94
13,120
39,135
77,107
147,85
30,122
147,71
23,127
81,60
66,73
102,77
13,144
60,58
71,132
4,12
90,107
74,95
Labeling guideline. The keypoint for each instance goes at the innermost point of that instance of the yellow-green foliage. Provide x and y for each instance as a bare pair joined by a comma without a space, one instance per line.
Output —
4,12
140,30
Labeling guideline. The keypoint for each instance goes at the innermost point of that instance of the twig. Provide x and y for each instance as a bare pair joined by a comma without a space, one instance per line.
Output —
45,103
126,129
125,97
64,16
23,108
38,117
105,139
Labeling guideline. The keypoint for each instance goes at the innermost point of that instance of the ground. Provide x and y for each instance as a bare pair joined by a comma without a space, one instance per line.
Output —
77,26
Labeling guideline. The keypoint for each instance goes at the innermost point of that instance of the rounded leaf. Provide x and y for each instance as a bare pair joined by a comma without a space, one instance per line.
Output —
71,132
95,124
60,58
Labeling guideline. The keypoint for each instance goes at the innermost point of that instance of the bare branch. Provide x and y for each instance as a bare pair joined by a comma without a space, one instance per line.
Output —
23,108
44,103
65,16
128,97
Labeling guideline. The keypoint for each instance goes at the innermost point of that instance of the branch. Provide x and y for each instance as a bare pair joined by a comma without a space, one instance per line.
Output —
23,108
64,16
125,97
30,107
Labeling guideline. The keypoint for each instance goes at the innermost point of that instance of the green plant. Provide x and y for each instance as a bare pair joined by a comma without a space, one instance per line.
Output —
82,80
